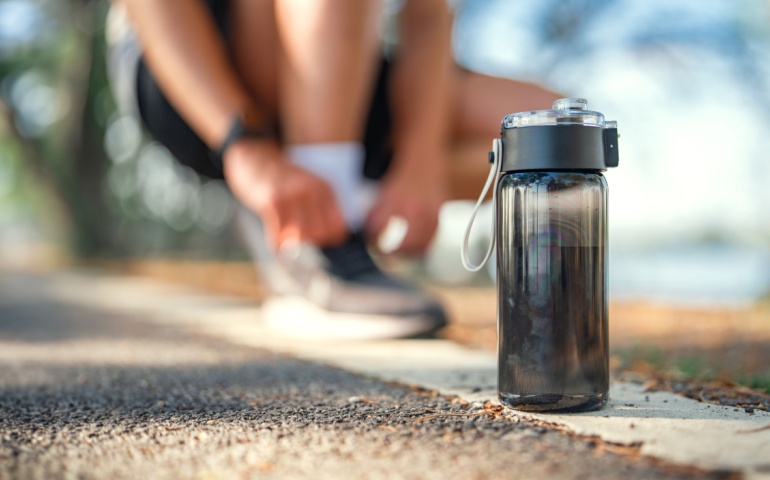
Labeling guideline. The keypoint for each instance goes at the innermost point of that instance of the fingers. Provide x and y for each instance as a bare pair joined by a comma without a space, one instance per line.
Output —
377,220
309,213
323,223
420,219
294,204
302,227
422,226
418,236
327,226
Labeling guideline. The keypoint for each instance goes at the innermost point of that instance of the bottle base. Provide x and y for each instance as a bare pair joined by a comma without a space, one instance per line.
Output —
554,402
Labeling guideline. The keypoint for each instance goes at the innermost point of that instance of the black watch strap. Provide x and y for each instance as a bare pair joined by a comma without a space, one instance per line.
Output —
238,130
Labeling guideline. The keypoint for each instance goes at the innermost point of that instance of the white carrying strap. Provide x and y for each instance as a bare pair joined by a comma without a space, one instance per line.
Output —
494,175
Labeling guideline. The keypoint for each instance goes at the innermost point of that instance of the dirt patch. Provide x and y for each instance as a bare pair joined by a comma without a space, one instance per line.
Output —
717,392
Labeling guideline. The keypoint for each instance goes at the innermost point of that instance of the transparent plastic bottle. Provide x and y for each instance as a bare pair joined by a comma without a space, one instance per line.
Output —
552,290
551,235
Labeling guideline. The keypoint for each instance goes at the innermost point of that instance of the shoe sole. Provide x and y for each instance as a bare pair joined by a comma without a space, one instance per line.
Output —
296,317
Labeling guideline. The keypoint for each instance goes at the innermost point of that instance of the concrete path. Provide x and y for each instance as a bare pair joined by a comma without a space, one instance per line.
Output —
126,377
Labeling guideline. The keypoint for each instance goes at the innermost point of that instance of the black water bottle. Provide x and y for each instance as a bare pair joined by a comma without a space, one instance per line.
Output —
551,235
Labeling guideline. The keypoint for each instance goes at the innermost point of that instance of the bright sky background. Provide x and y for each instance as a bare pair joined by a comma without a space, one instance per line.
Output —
691,101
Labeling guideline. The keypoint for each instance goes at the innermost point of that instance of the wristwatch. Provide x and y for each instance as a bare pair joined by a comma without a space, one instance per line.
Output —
243,126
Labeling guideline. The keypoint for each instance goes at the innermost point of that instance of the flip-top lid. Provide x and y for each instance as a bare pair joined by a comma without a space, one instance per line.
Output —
565,111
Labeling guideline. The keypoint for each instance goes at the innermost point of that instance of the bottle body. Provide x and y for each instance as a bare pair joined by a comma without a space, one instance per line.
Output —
552,290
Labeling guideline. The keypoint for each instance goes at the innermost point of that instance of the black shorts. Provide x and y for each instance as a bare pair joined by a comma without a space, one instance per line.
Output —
167,126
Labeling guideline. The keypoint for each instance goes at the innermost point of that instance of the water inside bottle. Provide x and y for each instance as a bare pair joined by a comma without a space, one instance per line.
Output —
553,346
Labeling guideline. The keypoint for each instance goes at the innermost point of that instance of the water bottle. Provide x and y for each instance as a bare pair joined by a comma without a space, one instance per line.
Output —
551,233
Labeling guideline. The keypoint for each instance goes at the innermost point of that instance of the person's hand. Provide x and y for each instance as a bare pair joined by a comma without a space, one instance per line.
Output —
294,204
415,195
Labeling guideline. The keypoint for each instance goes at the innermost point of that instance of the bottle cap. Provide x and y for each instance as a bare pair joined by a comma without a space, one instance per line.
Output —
567,137
565,111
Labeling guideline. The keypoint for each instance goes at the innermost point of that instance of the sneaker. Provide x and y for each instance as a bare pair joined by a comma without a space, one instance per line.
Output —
336,293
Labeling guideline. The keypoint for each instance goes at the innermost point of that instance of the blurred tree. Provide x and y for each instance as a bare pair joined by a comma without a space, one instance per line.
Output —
66,154
115,192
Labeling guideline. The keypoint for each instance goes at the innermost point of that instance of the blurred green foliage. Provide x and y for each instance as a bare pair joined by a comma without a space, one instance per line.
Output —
61,171
52,80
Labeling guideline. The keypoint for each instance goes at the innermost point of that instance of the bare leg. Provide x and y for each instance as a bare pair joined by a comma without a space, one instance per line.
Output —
327,68
255,47
480,104
292,203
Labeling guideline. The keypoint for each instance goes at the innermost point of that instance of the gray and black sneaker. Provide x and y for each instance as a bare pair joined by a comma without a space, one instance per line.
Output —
337,293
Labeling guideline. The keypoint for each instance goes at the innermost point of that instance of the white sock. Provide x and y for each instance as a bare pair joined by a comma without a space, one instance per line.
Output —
341,164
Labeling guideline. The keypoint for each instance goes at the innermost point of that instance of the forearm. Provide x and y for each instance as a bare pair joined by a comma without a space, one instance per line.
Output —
421,85
188,57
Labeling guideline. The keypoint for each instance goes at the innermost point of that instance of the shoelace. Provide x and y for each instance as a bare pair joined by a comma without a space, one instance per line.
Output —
351,259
